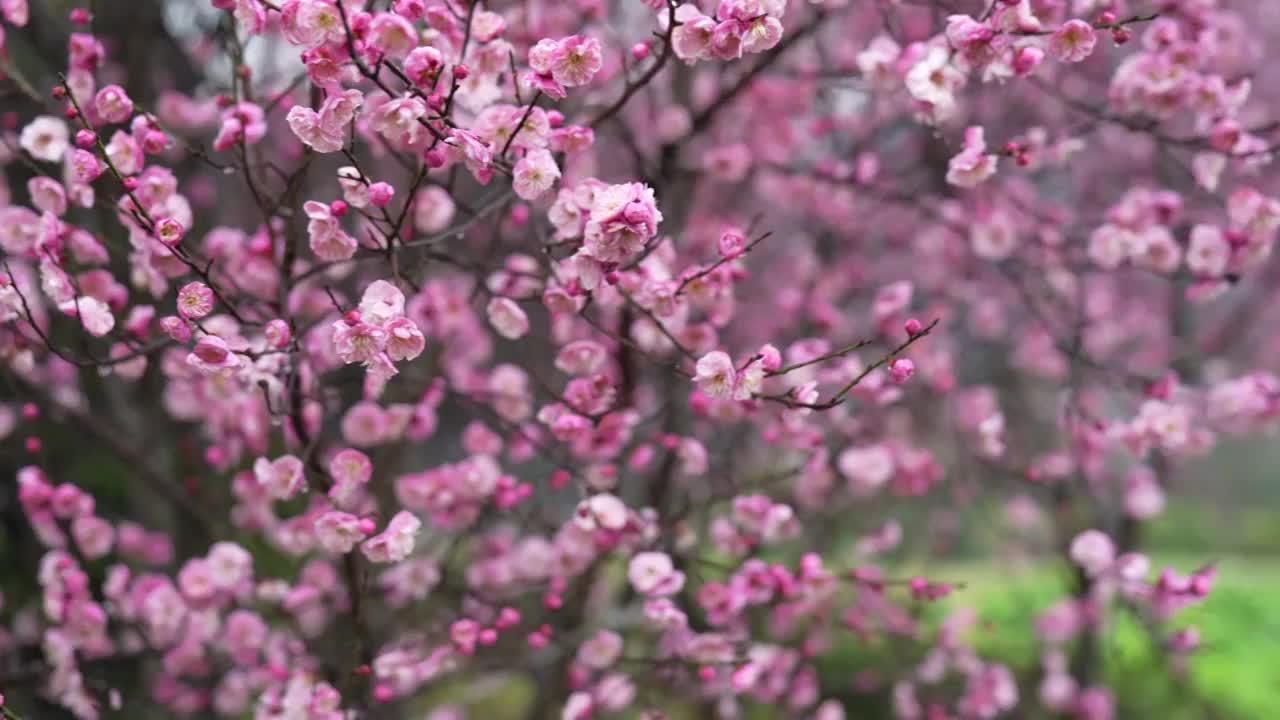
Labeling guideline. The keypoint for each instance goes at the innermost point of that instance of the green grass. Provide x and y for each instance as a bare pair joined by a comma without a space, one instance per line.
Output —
1236,671
1235,674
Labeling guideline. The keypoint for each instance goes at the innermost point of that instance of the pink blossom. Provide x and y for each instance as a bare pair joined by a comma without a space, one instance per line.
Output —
715,375
15,12
934,81
311,22
93,535
604,511
534,174
579,707
380,194
281,478
350,470
423,65
170,231
323,131
600,650
580,357
45,138
94,315
507,318
691,40
1093,551
339,532
1209,251
404,340
86,165
973,165
395,543
328,240
381,302
392,35
575,60
622,218
1073,42
654,575
360,342
397,119
901,369
113,104
195,300
230,565
47,195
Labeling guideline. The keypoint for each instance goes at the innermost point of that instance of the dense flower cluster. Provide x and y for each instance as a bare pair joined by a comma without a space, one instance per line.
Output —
634,346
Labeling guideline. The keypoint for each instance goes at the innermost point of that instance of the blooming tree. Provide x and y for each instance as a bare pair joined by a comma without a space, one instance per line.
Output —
616,346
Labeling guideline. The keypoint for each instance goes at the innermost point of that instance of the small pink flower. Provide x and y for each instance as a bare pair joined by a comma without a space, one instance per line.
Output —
47,195
230,565
900,370
277,333
622,218
507,318
653,574
600,650
867,468
475,152
602,511
575,60
176,328
1073,42
339,532
324,131
396,542
972,166
397,120
464,634
691,40
1093,552
170,231
94,315
282,477
391,35
16,13
715,375
45,138
731,244
93,535
579,707
422,66
196,582
251,15
1026,59
380,194
580,357
543,83
350,470
534,174
212,353
113,104
404,340
1209,252
381,302
195,300
86,165
328,240
770,358
358,343
311,22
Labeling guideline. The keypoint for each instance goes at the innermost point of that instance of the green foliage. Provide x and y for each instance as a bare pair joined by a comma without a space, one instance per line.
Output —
1235,674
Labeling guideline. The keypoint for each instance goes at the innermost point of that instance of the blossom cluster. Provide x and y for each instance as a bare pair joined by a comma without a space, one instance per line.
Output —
644,349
